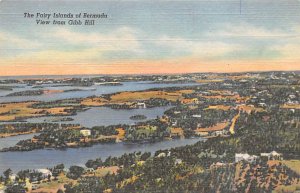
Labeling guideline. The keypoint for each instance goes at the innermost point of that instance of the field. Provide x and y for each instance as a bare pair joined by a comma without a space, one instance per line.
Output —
217,127
132,96
127,97
291,106
219,107
13,111
293,165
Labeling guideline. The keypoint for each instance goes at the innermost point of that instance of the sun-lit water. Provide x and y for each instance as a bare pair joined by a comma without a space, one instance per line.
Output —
92,117
11,141
78,156
104,116
85,92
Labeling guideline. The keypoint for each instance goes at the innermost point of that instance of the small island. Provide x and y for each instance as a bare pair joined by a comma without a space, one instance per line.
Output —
108,83
61,119
6,88
138,117
27,93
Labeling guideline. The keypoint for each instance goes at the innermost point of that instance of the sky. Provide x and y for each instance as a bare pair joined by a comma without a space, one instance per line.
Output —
151,37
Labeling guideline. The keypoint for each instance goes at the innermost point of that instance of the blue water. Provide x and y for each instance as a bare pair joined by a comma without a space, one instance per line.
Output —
104,116
78,156
99,90
11,141
92,117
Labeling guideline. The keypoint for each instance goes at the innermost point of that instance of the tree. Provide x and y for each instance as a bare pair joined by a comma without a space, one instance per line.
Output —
75,172
60,167
55,174
6,174
23,174
15,189
145,156
89,163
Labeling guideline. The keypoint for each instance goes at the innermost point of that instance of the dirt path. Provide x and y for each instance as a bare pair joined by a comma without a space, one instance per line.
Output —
231,129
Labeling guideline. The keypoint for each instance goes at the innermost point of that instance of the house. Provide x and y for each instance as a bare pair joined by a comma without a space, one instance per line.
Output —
292,96
174,122
218,164
272,155
262,104
169,153
161,154
245,157
178,161
85,132
201,133
45,173
141,105
13,177
217,133
196,116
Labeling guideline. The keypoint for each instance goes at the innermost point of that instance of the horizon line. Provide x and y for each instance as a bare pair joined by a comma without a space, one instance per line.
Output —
150,74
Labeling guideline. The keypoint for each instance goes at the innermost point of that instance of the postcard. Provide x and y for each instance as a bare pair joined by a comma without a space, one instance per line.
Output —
149,96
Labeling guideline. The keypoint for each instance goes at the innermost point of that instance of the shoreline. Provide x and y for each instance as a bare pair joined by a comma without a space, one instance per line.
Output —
16,134
99,142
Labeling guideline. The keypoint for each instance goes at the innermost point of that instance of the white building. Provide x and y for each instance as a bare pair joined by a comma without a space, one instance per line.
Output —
218,164
178,161
85,132
161,154
221,132
141,105
13,177
246,157
196,116
272,155
45,172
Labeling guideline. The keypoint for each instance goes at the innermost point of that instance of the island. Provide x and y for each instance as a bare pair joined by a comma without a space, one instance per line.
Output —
138,117
246,125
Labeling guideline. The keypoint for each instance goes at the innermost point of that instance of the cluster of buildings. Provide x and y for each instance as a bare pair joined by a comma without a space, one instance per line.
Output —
273,155
45,173
253,158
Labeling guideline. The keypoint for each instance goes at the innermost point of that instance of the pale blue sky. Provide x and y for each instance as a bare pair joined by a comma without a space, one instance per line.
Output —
207,31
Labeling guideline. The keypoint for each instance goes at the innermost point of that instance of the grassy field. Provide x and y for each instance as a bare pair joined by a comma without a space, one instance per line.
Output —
128,97
219,107
292,106
12,111
95,101
293,165
133,96
53,186
217,127
249,109
287,189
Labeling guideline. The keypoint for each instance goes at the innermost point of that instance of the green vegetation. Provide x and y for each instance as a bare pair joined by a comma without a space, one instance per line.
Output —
262,110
